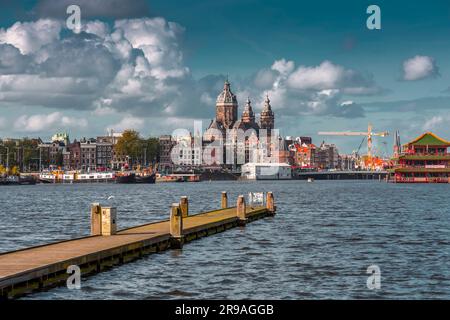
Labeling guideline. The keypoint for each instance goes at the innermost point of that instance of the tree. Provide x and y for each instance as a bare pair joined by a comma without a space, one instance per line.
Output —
152,148
130,144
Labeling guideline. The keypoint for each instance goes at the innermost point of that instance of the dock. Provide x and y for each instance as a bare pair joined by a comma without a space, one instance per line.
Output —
341,175
43,267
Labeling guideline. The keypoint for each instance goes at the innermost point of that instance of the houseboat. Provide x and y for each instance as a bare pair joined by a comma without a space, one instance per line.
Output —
423,160
59,176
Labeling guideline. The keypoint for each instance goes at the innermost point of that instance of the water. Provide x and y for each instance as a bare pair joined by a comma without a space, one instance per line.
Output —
318,246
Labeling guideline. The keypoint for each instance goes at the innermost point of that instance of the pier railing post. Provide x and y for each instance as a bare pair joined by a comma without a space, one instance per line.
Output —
184,206
270,203
109,221
96,219
224,200
176,226
240,210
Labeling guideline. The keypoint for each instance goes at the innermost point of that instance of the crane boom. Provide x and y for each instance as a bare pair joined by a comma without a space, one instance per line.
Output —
369,134
343,133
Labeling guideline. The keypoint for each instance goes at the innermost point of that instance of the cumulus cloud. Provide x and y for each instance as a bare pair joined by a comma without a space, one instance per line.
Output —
128,122
28,37
436,121
12,60
136,67
41,122
315,90
419,67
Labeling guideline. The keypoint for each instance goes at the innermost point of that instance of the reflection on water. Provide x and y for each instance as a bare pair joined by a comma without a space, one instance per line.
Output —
319,245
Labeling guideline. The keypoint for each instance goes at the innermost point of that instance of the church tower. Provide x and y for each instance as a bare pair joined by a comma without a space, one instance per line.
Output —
247,115
267,118
226,107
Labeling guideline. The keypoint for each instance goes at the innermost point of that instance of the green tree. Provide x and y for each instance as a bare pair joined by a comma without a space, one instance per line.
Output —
131,145
151,146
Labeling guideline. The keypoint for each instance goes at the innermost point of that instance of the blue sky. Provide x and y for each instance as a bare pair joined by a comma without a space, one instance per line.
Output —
340,75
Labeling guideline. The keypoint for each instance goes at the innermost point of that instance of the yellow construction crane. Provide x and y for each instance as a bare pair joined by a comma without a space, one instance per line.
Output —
369,134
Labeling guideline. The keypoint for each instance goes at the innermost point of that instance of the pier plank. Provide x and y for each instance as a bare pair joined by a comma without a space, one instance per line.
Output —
34,263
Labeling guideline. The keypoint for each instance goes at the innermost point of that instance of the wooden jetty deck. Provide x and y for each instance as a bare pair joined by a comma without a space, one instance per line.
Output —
42,267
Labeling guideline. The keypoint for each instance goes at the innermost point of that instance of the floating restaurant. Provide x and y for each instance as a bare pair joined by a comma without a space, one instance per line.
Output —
423,160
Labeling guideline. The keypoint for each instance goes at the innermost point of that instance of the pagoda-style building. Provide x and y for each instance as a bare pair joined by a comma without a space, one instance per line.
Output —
424,160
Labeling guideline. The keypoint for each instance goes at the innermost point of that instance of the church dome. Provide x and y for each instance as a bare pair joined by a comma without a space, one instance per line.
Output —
226,96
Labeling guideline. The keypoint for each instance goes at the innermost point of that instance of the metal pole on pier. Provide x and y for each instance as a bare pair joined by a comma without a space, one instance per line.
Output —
7,158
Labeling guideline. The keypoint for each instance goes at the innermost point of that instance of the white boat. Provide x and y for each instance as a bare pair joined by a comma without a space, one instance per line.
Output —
75,177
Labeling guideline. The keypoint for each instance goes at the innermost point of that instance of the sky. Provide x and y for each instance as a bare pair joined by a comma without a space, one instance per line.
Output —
156,66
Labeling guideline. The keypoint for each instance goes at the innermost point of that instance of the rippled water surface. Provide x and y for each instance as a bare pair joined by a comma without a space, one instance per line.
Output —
319,245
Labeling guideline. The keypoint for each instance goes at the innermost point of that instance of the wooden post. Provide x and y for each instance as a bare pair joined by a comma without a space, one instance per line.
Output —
270,203
109,221
96,219
224,200
240,210
184,205
176,226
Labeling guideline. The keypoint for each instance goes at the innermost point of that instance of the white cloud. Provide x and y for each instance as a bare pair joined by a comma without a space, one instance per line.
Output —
283,66
43,122
325,76
96,27
316,90
28,37
158,41
435,122
128,122
419,67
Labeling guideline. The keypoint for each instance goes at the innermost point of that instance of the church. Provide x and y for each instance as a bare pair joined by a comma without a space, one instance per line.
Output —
227,114
229,125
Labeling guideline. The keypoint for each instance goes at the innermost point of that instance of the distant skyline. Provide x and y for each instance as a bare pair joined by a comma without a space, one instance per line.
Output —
156,66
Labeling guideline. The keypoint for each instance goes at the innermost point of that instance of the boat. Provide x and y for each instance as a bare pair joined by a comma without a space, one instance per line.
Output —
310,179
146,175
148,178
17,180
126,177
59,176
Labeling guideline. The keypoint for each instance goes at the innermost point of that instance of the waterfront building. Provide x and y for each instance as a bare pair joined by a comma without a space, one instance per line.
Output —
51,154
266,171
348,162
327,156
109,158
423,160
61,137
166,143
104,155
88,154
305,155
72,156
186,154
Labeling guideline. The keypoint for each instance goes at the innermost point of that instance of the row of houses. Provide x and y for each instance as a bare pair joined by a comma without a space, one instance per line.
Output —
86,154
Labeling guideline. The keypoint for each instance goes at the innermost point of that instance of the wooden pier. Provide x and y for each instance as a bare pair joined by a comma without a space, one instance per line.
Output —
43,267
